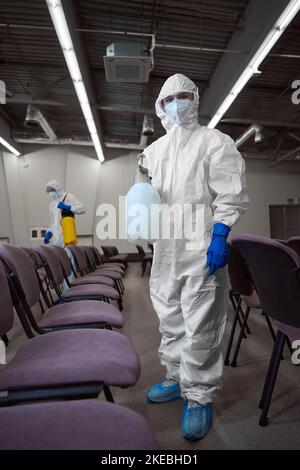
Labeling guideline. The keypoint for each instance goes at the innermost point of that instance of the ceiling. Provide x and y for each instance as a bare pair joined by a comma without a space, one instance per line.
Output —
34,70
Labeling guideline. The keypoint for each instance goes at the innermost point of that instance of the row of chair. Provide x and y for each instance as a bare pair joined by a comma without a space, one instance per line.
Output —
71,355
265,275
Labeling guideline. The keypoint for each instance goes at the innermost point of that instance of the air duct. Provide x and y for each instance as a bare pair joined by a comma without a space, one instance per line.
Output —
255,129
35,118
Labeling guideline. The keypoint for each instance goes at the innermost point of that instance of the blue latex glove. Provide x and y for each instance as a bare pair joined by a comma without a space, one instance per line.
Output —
218,252
63,206
47,237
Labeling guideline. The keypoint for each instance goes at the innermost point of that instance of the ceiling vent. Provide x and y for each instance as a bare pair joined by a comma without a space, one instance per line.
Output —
127,62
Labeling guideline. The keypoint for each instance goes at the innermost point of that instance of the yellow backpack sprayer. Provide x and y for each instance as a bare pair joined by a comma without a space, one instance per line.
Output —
68,226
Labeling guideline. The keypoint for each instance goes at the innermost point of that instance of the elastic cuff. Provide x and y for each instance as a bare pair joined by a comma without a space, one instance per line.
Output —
221,229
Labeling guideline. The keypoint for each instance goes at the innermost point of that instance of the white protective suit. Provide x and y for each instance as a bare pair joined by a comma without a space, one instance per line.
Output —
192,164
55,213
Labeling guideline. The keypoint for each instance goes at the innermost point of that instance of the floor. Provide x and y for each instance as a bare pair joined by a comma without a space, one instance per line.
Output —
236,411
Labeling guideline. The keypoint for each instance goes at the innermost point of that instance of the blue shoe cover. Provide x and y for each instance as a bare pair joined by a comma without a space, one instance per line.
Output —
161,393
196,421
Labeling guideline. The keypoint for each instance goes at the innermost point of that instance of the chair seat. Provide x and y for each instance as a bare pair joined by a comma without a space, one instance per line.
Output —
82,312
291,331
148,257
110,267
74,425
108,273
118,258
92,290
72,357
105,280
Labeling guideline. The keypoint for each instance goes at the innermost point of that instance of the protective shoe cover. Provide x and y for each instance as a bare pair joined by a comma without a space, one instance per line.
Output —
196,420
164,391
55,213
201,169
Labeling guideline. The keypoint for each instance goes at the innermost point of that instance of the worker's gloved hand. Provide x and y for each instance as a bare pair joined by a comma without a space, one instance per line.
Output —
47,237
63,206
218,252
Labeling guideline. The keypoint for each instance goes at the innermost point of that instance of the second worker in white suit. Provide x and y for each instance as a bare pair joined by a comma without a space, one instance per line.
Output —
200,167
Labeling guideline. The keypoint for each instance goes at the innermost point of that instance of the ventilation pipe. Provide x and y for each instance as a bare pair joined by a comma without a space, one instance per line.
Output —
35,118
255,129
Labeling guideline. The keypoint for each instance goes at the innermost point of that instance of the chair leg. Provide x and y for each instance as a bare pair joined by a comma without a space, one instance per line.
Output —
232,333
241,313
271,329
143,268
271,378
238,345
108,394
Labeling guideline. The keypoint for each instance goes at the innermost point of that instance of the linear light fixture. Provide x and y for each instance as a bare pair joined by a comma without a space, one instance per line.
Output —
272,37
62,30
9,147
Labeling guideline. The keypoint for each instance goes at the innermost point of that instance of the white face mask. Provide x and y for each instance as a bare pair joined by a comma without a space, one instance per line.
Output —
179,109
52,194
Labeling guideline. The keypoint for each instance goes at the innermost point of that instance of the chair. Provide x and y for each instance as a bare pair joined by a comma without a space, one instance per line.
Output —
243,288
100,262
112,253
146,258
77,363
74,425
275,268
83,292
82,268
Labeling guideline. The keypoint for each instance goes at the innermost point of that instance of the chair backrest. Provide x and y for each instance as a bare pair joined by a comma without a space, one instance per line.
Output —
97,254
79,258
140,249
52,264
89,252
275,270
240,279
30,253
6,306
19,262
110,250
64,259
294,243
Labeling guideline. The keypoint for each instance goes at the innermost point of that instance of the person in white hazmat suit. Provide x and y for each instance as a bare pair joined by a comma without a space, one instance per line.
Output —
200,171
60,201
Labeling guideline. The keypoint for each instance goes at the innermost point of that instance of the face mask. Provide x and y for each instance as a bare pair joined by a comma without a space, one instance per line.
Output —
52,194
178,109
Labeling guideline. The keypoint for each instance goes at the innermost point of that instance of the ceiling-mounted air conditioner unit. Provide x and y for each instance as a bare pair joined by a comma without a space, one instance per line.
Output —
127,62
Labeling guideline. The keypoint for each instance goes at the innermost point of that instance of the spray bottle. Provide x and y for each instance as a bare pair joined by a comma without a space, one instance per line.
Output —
142,207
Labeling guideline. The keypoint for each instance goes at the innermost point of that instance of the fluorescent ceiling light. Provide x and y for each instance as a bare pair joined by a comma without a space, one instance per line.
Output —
9,147
61,27
264,49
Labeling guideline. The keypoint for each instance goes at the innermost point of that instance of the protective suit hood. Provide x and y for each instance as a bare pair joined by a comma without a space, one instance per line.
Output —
175,84
57,186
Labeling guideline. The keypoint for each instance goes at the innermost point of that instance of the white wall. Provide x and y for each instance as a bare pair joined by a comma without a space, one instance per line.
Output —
267,185
23,202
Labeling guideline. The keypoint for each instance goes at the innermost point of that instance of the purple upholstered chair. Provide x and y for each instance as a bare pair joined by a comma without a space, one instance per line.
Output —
62,364
83,292
242,286
74,425
114,271
275,269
